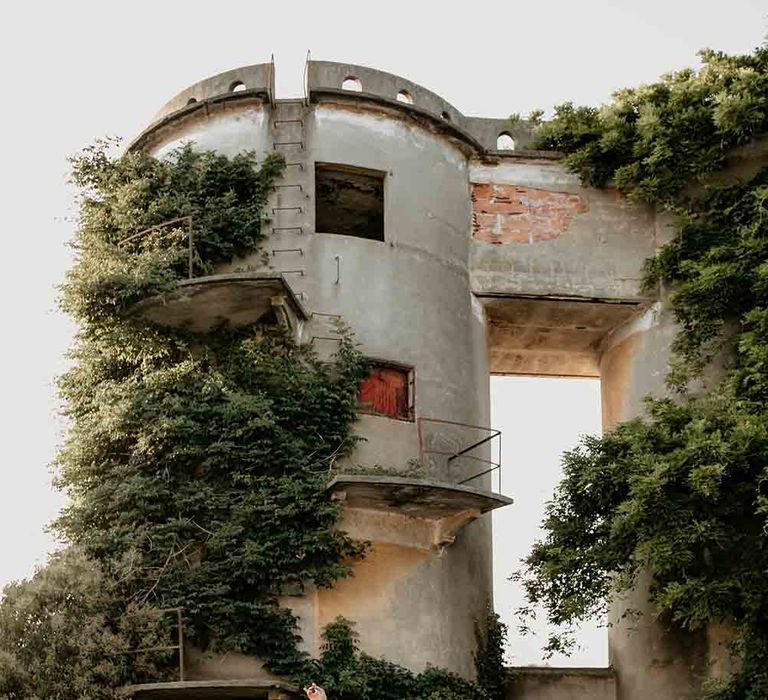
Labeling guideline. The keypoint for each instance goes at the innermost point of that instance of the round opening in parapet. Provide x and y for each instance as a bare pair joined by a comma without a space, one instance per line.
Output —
352,83
445,116
191,101
237,86
405,97
505,142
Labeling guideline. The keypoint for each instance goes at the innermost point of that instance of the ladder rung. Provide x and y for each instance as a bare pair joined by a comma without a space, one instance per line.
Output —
285,186
288,121
276,209
275,229
275,251
275,144
294,165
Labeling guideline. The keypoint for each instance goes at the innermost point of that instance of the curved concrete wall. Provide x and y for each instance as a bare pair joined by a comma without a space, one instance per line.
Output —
408,300
464,224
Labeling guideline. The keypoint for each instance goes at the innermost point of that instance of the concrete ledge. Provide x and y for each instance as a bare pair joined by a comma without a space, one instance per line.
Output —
235,690
556,683
238,298
418,498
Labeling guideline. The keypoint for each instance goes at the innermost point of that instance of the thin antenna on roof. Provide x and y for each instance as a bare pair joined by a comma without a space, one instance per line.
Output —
306,75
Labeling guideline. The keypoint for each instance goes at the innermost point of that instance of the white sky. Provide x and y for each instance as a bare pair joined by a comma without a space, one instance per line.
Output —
540,418
72,71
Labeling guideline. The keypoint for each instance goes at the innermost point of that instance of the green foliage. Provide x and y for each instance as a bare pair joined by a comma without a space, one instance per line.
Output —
207,465
123,197
489,658
348,674
682,492
655,140
196,465
66,634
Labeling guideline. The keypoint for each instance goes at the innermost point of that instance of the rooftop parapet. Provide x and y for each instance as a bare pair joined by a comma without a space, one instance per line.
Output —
485,135
258,78
369,83
328,75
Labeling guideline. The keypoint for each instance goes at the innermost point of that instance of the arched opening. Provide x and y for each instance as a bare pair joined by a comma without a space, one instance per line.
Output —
505,142
445,116
405,97
237,86
352,83
191,100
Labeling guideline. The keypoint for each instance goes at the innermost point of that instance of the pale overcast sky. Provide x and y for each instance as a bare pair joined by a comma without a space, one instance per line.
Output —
72,71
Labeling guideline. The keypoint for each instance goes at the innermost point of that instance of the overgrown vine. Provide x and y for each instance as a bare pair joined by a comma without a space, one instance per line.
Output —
682,492
196,465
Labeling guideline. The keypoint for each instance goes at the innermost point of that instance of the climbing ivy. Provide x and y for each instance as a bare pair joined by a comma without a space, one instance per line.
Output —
196,465
680,493
348,674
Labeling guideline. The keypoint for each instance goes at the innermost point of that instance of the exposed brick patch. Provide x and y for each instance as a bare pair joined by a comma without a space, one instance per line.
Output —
514,214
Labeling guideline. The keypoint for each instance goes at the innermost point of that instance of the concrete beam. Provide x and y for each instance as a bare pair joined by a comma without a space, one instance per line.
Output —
550,337
233,689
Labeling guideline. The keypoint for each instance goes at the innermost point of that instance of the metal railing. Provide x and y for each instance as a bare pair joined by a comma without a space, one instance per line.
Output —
178,647
165,224
461,452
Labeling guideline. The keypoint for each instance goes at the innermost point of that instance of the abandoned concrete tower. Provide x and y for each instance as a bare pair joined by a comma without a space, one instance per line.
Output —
454,252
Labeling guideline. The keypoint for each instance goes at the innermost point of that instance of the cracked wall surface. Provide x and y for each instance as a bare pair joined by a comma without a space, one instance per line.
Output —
519,214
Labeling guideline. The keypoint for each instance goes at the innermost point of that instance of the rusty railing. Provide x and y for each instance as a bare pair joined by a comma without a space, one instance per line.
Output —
178,647
158,227
461,452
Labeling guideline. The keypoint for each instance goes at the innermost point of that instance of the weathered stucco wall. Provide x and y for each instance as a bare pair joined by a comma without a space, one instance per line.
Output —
542,683
537,231
650,659
407,298
480,247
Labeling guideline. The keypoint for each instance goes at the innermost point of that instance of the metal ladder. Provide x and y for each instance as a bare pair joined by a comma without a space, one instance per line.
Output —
288,206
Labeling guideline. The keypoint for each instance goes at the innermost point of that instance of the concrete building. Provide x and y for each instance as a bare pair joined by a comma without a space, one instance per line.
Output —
453,251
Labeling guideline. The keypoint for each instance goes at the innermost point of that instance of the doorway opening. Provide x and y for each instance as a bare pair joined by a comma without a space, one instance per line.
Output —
540,418
545,362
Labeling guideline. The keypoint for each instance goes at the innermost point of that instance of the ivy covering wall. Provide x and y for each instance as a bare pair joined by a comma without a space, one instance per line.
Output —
196,465
682,492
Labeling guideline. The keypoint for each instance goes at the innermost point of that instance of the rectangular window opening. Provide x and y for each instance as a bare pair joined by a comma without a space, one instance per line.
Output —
540,418
388,391
349,201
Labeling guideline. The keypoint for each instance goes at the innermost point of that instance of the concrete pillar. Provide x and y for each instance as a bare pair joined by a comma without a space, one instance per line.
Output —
651,661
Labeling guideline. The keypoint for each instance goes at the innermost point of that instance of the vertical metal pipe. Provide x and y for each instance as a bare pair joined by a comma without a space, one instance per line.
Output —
500,462
191,246
181,644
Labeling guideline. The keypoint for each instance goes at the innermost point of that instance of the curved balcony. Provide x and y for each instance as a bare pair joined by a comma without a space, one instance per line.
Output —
419,513
237,299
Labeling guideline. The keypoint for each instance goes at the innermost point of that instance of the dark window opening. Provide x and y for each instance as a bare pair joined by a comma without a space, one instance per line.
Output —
388,391
349,201
268,318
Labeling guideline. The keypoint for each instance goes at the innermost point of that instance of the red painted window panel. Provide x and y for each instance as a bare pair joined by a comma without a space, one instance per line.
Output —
385,392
